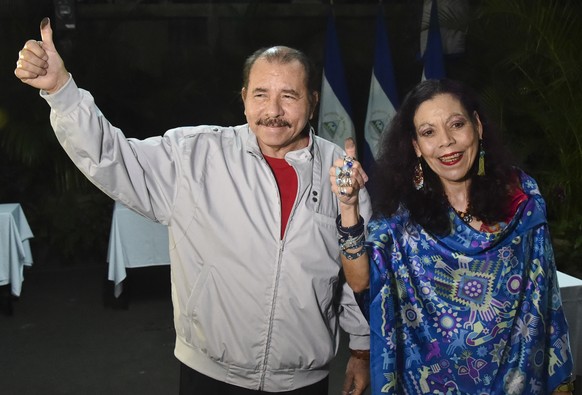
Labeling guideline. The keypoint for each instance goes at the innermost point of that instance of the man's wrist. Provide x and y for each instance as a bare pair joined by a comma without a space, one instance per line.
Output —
360,354
62,80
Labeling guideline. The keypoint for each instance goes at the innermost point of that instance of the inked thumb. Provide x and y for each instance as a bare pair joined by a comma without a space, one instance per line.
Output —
46,32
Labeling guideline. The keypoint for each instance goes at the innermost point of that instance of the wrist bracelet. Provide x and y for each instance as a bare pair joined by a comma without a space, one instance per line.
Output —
351,243
350,256
360,354
350,231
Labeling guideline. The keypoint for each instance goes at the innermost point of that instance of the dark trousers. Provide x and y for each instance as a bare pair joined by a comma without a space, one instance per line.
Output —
194,383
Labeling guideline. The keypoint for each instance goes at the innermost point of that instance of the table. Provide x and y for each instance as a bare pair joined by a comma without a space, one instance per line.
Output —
571,290
134,241
15,251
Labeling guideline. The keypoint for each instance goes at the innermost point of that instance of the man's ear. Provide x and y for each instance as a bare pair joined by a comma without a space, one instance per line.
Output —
314,101
243,95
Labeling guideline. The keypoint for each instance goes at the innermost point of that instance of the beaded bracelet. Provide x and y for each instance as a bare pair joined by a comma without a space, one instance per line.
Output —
351,243
350,238
349,231
355,255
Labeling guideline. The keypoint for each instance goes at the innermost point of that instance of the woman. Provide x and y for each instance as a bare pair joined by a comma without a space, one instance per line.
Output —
458,259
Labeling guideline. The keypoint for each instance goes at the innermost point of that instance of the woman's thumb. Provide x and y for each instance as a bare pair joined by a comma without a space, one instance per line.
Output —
350,147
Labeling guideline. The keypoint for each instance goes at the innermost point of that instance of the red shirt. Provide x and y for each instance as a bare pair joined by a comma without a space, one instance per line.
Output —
287,183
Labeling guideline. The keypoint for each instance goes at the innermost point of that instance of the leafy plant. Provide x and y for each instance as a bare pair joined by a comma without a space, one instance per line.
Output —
528,53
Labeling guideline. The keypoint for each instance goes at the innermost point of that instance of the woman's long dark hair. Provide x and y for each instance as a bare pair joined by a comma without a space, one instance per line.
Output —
392,175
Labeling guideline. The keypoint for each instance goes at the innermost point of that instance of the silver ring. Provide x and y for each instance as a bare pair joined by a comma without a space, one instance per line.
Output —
348,161
344,181
343,171
342,191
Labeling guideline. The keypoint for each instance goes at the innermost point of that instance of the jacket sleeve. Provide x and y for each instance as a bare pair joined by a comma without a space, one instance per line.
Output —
141,174
352,320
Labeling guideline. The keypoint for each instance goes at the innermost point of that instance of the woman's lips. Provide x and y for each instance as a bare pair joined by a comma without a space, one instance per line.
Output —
451,159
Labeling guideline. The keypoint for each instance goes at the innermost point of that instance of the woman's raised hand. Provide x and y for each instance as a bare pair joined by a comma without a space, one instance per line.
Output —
347,176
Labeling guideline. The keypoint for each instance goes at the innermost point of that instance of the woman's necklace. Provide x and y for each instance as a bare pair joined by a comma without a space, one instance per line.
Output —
466,216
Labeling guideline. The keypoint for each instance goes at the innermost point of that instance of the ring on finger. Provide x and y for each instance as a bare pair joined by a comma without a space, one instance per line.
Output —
348,161
345,181
343,171
342,191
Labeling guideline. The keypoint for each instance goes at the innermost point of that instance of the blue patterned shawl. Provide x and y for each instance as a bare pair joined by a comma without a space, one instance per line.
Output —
469,313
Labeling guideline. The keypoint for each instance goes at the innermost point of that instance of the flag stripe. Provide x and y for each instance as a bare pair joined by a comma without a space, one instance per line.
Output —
434,67
383,97
335,120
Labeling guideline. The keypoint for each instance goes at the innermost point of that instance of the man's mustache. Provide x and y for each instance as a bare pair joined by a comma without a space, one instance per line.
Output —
274,122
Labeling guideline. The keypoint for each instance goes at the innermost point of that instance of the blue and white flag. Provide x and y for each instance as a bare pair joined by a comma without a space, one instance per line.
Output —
433,55
335,120
383,98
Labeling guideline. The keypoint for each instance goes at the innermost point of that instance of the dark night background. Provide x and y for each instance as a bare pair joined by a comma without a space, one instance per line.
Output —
154,65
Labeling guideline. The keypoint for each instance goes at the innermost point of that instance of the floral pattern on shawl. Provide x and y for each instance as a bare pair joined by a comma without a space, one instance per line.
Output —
469,313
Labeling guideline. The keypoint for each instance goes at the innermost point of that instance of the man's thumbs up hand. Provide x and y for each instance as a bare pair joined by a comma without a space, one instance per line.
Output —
39,64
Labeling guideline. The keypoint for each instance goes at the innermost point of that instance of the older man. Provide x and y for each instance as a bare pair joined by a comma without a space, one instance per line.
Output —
254,253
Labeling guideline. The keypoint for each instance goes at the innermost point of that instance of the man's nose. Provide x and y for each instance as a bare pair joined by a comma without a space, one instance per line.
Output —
274,108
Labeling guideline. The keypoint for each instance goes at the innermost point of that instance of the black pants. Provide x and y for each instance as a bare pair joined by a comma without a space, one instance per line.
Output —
194,383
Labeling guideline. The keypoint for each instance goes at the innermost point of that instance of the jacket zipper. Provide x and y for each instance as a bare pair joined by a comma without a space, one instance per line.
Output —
271,317
276,288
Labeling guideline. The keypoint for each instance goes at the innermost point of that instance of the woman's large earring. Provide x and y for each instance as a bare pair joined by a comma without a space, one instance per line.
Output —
418,178
481,171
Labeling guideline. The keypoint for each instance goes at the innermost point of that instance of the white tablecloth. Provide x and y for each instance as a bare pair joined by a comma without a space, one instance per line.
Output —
134,241
571,290
15,252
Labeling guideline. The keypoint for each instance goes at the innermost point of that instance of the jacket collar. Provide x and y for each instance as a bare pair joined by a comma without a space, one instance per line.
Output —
300,155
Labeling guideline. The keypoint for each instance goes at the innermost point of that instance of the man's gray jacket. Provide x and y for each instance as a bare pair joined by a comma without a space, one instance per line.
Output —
250,309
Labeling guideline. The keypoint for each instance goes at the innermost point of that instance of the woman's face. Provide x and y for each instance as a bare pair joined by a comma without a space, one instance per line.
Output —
447,138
